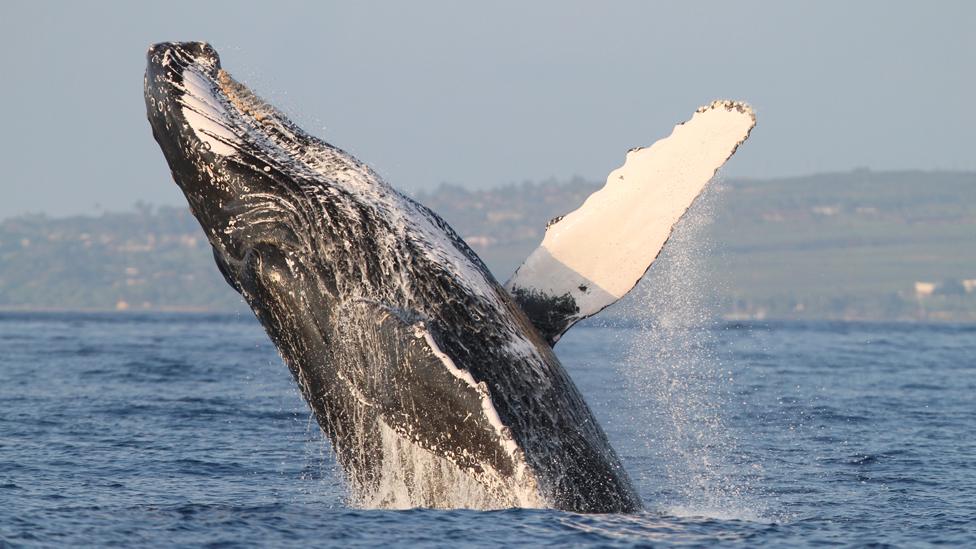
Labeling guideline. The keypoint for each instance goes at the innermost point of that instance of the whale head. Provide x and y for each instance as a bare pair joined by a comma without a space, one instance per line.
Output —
191,120
262,189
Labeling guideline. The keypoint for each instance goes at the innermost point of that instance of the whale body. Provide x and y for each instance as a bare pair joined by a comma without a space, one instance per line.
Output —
436,385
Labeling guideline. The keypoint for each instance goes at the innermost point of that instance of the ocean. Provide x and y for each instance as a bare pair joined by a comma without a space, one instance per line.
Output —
186,429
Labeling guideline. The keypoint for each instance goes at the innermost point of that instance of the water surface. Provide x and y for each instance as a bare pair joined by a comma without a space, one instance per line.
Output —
170,429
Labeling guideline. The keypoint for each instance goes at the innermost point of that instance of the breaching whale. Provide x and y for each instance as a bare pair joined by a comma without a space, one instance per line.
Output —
436,385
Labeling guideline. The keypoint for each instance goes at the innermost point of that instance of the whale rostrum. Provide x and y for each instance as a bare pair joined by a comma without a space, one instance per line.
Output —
437,386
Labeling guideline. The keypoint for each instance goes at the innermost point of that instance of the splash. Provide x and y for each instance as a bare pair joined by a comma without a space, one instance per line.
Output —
676,373
414,477
324,478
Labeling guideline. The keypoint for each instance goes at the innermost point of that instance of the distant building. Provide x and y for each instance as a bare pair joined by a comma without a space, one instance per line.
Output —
827,211
946,287
924,288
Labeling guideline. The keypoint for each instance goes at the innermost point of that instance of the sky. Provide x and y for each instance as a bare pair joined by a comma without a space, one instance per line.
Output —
489,93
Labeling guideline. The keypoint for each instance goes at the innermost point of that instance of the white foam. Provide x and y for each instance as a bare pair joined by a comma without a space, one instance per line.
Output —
412,476
740,514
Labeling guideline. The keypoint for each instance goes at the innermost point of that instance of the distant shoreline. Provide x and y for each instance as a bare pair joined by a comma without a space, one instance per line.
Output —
100,310
611,321
862,246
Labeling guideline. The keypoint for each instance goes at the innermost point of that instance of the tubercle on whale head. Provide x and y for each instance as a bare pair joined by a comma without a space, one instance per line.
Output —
235,188
269,197
201,53
250,175
188,120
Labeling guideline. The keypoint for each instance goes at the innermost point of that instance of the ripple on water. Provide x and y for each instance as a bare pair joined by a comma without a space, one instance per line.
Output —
183,430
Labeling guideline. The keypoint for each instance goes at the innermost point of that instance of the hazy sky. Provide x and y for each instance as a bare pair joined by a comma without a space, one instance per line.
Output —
494,92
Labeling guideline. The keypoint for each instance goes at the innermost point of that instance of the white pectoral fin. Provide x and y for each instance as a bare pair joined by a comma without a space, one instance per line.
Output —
595,255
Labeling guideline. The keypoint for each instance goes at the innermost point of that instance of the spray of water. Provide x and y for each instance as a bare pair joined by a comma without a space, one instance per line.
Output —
676,374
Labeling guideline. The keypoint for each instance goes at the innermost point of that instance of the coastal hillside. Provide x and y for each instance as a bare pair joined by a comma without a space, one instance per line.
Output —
856,245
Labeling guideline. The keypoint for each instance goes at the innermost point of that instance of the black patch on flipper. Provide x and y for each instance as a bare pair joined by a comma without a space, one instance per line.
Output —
552,316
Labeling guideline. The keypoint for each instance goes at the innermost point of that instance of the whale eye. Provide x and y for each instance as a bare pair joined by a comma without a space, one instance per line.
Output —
266,262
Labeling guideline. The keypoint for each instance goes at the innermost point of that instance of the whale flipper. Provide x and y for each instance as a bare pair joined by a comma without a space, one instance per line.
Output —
593,256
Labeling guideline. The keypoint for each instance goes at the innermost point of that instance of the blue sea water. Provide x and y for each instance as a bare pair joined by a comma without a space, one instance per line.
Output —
169,429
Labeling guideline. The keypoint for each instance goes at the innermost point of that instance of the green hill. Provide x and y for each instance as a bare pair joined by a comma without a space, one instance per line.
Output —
850,245
146,259
847,245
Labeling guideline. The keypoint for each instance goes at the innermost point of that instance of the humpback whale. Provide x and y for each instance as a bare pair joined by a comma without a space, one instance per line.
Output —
436,385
